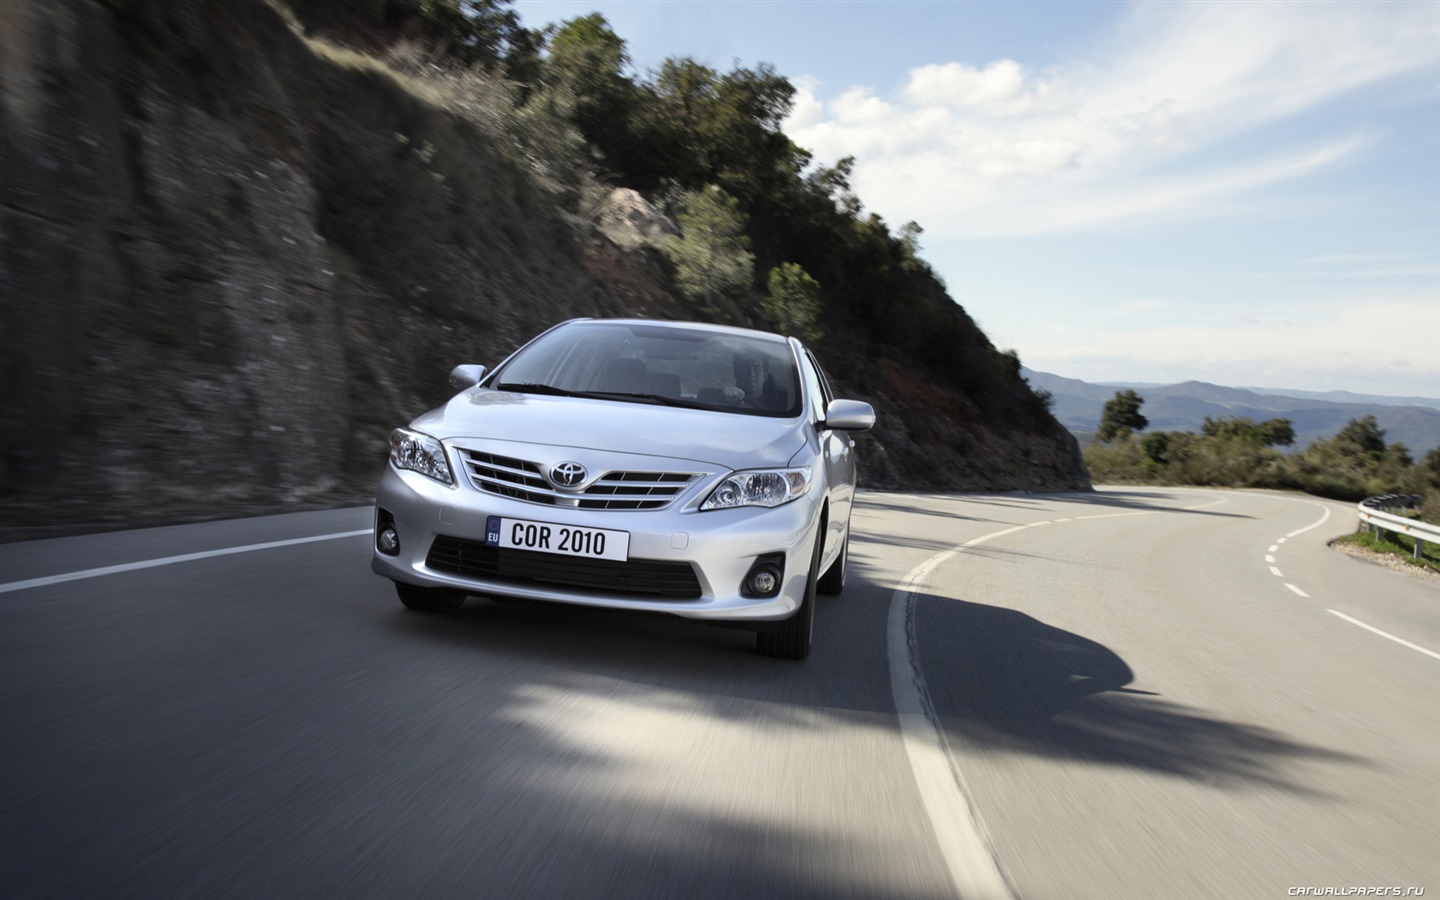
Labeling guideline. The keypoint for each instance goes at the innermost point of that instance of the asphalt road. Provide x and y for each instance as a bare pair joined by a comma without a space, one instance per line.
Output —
1140,693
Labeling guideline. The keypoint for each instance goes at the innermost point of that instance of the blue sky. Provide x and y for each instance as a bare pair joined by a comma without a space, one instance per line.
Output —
1246,193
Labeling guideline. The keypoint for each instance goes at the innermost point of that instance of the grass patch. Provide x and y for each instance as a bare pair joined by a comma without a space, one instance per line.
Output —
1397,545
355,61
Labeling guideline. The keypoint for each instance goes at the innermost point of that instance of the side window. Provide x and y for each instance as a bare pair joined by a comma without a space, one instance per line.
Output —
824,379
816,387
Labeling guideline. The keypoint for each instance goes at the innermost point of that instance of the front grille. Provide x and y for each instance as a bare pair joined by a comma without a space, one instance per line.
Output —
524,480
633,578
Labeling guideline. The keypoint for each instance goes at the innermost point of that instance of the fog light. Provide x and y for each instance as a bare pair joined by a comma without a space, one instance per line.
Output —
388,541
763,579
764,582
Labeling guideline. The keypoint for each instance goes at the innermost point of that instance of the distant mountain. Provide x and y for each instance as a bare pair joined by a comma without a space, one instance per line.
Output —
1347,397
1412,421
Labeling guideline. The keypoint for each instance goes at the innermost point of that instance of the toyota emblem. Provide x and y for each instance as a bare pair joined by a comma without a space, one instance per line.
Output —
567,474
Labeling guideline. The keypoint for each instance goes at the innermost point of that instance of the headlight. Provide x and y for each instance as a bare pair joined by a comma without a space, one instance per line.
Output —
419,453
768,487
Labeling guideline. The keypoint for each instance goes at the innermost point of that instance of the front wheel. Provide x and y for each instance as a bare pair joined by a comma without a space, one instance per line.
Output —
423,599
793,638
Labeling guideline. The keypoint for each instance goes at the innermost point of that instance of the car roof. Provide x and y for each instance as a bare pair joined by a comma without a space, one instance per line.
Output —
690,326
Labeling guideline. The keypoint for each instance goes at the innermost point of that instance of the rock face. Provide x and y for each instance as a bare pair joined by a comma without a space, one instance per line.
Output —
230,263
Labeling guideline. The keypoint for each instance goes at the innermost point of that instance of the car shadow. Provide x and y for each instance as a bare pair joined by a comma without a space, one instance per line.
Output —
998,679
1004,681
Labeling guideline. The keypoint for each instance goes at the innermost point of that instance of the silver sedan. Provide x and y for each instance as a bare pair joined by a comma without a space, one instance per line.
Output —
697,470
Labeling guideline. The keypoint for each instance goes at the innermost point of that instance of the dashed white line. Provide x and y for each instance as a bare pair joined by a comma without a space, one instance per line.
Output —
1383,634
169,560
1336,612
1275,547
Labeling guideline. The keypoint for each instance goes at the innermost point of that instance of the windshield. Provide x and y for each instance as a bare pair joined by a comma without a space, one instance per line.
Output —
659,363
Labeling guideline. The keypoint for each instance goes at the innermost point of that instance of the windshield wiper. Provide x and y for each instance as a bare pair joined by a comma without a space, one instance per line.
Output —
549,389
553,391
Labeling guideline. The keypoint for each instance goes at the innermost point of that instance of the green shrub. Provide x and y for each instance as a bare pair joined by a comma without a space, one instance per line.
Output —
1355,464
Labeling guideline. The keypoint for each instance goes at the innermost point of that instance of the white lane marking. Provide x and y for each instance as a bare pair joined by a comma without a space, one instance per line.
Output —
1392,637
1315,525
974,870
1276,546
169,560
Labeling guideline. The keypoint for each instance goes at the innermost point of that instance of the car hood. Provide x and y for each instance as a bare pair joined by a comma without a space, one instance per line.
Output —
720,439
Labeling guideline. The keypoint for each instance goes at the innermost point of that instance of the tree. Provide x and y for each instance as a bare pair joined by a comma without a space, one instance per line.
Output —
1362,435
792,303
586,65
702,127
1278,432
1121,416
910,246
712,256
833,183
1269,433
1156,447
467,32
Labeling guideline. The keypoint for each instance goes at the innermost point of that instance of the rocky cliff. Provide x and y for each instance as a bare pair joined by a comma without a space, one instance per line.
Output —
231,259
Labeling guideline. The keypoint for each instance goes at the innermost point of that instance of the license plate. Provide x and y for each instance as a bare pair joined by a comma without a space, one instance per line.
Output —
563,540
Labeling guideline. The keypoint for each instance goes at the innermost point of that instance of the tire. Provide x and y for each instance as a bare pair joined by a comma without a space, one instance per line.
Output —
423,599
793,638
833,581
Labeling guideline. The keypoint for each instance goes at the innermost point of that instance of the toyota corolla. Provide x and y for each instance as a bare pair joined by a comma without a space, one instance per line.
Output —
702,471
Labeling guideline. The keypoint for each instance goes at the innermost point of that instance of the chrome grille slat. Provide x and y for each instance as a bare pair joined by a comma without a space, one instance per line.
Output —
524,480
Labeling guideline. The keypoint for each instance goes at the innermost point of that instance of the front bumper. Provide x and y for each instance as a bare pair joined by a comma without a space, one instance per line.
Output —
442,535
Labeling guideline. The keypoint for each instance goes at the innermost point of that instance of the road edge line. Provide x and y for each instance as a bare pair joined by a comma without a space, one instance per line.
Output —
1384,634
170,561
969,857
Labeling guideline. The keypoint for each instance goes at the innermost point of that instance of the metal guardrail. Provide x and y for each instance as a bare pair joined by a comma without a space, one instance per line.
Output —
1373,513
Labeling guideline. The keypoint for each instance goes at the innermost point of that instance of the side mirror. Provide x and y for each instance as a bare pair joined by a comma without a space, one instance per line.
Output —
466,376
849,415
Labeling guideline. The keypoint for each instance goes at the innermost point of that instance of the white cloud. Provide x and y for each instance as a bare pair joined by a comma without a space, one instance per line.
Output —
992,149
997,88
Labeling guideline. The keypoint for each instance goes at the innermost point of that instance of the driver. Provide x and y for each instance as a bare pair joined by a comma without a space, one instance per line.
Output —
754,385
